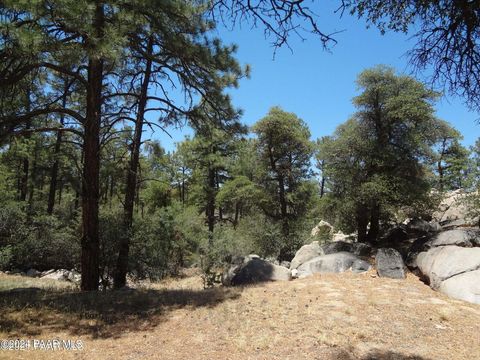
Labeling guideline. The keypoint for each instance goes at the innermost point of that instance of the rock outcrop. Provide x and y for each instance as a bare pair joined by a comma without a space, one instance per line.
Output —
453,211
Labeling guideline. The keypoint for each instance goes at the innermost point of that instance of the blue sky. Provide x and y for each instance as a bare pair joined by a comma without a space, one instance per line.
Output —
317,85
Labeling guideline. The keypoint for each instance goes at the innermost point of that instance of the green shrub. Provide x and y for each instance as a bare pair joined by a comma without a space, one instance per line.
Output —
6,257
165,241
47,244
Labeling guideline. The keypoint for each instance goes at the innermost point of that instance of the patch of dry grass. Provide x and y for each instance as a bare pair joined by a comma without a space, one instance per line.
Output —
328,316
10,282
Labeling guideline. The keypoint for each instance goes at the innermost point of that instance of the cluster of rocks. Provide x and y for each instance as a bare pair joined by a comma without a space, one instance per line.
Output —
60,274
334,257
444,252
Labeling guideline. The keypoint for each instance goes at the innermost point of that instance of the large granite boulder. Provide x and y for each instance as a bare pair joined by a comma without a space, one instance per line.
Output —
331,263
458,237
306,253
253,269
463,237
441,263
389,263
464,286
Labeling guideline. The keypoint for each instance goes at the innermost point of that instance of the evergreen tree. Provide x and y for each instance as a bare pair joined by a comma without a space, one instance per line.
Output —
284,149
374,163
451,159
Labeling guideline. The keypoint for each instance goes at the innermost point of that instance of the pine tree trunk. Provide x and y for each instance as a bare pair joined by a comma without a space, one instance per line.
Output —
183,186
131,190
237,213
322,182
54,171
91,167
374,230
211,201
440,176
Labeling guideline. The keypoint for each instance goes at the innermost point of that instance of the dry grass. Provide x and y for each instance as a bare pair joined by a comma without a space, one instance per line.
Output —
345,316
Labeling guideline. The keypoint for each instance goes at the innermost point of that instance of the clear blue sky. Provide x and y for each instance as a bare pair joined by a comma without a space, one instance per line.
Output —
317,85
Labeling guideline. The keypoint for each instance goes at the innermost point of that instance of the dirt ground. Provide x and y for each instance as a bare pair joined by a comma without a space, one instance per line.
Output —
327,316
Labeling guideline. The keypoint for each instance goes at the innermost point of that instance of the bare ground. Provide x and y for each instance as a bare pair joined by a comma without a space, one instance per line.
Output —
329,316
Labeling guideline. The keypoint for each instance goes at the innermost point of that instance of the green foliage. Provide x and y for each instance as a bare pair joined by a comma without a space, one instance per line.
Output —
6,257
166,240
284,151
450,159
374,163
44,243
111,229
238,193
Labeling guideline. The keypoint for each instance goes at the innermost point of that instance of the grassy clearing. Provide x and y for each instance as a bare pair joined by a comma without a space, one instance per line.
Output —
346,316
35,304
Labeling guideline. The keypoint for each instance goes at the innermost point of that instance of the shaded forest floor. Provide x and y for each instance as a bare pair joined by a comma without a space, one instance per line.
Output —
328,316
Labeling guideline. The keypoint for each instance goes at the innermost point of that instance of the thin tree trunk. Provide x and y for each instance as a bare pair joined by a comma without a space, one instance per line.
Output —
32,180
440,176
237,213
374,230
183,186
131,189
322,182
56,164
91,166
211,201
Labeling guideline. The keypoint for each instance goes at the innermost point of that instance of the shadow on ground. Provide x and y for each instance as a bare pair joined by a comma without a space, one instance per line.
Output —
376,354
30,311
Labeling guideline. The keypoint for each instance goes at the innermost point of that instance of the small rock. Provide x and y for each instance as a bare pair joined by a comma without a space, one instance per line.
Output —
60,274
33,273
390,264
323,227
